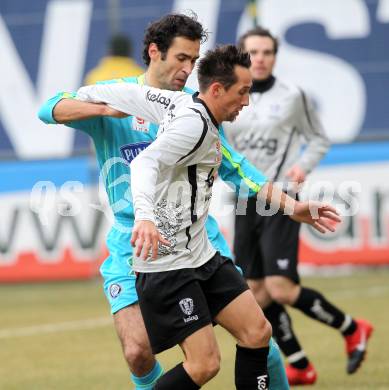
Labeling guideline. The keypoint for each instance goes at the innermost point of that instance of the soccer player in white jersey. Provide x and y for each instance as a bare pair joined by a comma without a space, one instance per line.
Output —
183,284
171,47
270,132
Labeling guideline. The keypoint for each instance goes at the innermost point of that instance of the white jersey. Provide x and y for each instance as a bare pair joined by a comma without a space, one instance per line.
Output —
270,131
172,178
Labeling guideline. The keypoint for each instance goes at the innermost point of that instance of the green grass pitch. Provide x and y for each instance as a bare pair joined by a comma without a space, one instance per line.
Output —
59,336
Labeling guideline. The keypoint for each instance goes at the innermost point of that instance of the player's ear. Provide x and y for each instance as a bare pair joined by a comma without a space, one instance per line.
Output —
154,52
216,89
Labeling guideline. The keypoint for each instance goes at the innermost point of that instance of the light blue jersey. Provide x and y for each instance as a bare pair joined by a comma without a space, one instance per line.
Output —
117,142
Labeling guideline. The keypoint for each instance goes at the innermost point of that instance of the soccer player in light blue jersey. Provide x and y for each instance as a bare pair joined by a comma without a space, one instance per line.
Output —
171,48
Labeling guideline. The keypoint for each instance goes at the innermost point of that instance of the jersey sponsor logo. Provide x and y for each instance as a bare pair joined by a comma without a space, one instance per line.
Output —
130,151
139,124
114,290
152,97
250,142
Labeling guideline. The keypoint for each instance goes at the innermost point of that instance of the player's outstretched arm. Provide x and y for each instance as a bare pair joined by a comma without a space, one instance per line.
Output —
70,110
64,108
143,101
236,170
317,214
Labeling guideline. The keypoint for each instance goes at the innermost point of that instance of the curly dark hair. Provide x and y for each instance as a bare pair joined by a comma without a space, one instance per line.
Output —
218,65
163,31
260,32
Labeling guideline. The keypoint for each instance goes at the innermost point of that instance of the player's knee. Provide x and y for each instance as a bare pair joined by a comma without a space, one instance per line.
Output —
204,370
138,357
283,294
280,296
256,336
212,367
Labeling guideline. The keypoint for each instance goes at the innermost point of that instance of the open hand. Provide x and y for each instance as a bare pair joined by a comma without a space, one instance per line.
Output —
322,217
145,236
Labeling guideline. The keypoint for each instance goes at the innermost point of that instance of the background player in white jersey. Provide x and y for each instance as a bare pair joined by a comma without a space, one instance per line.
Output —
171,47
184,285
270,133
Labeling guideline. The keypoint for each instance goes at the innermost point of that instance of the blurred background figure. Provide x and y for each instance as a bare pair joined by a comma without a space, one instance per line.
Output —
118,63
270,133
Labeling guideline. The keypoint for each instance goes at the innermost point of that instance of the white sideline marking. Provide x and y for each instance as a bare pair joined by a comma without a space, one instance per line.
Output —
92,323
374,291
55,327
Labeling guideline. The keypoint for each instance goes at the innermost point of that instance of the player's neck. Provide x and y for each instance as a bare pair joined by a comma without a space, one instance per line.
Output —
151,80
212,107
263,85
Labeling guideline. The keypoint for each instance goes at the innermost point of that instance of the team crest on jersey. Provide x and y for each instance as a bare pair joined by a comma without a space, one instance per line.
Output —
139,124
187,306
114,290
130,151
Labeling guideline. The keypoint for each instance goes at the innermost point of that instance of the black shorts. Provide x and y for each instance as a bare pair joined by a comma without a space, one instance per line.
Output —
175,304
266,245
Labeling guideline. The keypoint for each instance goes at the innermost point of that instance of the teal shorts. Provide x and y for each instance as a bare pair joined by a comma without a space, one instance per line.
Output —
116,270
119,284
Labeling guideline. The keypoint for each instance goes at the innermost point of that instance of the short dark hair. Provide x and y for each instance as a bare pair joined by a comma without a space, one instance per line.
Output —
218,65
120,45
261,32
163,31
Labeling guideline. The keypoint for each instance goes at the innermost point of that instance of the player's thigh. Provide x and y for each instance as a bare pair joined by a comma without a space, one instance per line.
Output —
131,329
220,282
173,306
245,320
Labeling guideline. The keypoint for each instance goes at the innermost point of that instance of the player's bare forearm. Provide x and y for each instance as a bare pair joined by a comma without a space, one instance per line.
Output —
274,196
70,110
319,215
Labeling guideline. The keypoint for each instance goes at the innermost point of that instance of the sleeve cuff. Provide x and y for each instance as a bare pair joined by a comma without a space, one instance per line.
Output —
144,216
46,111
